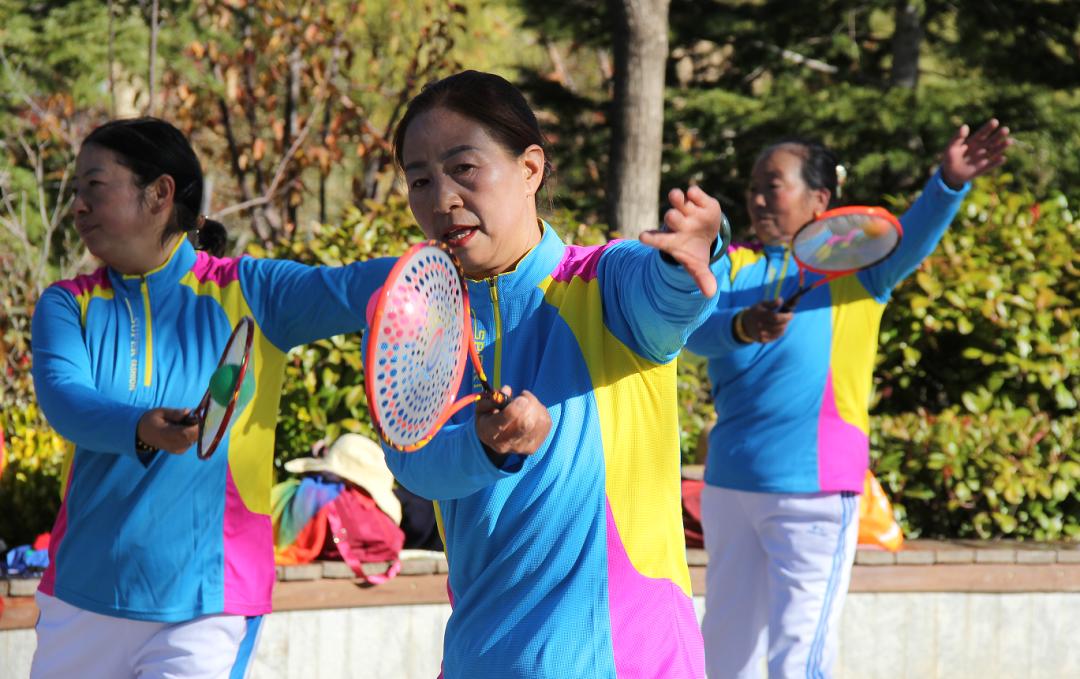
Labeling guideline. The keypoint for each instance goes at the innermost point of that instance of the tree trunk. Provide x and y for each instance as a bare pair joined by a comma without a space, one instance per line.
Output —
151,107
640,33
907,38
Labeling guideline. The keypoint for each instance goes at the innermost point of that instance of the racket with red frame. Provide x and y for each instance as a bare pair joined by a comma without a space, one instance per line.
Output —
230,390
840,242
419,340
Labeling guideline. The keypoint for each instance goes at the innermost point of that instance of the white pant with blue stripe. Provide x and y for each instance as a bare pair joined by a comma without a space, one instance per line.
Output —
73,642
779,568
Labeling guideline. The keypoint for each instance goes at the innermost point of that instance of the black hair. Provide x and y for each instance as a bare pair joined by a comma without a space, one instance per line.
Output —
489,100
150,148
820,167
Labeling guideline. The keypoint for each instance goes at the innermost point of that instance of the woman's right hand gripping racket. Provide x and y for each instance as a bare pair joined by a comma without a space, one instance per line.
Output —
840,242
420,337
231,388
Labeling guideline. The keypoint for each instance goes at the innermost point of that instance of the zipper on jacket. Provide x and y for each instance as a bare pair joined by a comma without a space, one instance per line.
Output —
496,376
775,275
148,372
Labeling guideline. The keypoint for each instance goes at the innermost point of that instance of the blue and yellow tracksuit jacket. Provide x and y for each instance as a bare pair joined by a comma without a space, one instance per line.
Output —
173,537
793,414
571,562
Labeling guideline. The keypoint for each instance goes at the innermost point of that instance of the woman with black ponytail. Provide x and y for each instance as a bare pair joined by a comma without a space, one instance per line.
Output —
161,564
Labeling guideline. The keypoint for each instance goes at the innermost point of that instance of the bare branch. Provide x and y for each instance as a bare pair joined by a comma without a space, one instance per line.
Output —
279,172
111,58
801,60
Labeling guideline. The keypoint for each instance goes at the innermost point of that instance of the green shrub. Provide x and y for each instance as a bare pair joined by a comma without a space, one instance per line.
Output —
990,319
1001,473
30,484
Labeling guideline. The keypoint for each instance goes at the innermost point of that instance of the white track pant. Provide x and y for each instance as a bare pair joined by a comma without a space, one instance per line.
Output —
73,642
779,568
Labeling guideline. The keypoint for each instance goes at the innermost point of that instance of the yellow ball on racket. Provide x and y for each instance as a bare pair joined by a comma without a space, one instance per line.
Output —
876,228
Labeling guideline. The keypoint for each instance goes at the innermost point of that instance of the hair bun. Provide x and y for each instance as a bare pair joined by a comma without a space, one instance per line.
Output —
211,237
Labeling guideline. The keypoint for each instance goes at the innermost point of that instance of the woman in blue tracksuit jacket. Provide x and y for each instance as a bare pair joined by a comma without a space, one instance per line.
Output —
789,451
161,563
561,512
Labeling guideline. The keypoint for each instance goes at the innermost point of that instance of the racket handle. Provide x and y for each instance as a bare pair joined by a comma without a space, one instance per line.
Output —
790,302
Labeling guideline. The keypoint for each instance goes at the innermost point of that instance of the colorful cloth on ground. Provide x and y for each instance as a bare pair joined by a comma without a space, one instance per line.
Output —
295,506
571,562
793,414
176,537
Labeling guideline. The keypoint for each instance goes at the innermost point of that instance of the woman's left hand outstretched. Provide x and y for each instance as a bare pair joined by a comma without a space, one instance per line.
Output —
693,224
969,155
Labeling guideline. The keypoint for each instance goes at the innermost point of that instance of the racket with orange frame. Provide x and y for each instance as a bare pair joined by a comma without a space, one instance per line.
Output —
231,388
418,342
840,242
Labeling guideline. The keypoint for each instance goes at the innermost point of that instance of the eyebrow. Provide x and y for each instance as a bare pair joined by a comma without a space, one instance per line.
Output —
450,152
91,171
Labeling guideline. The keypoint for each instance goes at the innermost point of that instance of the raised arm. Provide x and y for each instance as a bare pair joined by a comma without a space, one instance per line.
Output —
295,304
651,304
967,156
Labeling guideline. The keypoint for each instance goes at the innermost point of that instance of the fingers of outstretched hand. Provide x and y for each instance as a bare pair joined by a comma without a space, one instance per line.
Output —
970,155
677,198
702,275
986,131
692,209
692,224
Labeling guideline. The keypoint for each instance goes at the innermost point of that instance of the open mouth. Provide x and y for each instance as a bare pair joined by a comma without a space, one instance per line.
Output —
459,235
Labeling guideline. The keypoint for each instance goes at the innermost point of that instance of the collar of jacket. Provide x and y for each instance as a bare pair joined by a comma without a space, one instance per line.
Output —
178,263
533,268
775,251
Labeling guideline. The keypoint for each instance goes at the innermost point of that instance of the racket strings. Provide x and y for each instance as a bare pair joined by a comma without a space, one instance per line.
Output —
845,242
417,362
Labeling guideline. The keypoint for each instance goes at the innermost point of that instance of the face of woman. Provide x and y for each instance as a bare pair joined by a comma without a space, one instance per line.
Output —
779,200
120,223
468,191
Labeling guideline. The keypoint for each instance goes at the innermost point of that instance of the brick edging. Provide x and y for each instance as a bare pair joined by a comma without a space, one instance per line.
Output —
922,566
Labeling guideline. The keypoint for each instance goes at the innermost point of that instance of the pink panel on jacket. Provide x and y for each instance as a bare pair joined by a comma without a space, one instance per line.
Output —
838,468
249,556
648,645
